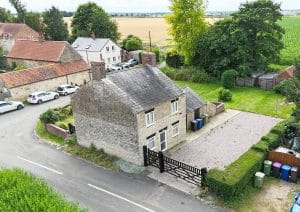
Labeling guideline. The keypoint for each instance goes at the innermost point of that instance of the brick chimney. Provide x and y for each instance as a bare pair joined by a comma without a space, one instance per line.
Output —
149,58
93,36
98,70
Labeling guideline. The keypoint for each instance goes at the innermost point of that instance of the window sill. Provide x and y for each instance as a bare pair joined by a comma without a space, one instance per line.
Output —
173,136
149,125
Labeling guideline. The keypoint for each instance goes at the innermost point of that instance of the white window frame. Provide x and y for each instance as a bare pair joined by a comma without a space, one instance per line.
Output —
107,48
174,107
174,126
151,140
146,118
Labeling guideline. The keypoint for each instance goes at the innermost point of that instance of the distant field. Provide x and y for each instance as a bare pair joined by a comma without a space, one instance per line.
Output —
142,26
291,39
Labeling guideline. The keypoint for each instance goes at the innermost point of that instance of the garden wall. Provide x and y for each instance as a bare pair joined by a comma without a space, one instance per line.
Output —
57,131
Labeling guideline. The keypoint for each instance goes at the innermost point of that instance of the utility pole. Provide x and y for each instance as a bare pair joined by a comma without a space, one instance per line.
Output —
150,48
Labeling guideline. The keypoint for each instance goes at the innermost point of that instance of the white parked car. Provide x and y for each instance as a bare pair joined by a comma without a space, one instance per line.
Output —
66,89
132,62
6,106
115,68
42,96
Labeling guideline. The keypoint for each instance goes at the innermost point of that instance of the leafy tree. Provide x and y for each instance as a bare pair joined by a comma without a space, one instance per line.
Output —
187,22
2,59
133,44
173,59
21,10
55,27
90,18
5,15
156,51
228,79
129,37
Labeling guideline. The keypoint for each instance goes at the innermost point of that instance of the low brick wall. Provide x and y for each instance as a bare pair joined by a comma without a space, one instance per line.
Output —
55,130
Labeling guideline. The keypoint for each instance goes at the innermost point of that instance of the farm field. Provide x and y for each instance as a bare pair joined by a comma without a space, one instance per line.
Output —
291,39
253,100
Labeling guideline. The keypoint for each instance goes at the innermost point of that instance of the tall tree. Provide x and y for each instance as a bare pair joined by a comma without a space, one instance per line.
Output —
55,27
20,8
187,22
90,18
5,15
259,20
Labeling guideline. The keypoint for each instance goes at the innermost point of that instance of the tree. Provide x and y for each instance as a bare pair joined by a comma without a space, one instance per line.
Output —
90,18
2,59
21,10
5,15
55,27
132,43
187,22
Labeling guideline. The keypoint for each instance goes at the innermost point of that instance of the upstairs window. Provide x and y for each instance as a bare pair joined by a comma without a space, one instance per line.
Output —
107,48
174,106
113,48
149,116
114,59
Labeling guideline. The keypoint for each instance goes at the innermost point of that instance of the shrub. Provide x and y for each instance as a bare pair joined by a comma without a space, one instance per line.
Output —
157,54
174,60
225,95
231,182
228,79
282,87
200,77
49,117
62,125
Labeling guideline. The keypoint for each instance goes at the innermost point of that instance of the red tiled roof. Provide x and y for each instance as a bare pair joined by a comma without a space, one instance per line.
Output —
34,50
41,73
18,31
288,73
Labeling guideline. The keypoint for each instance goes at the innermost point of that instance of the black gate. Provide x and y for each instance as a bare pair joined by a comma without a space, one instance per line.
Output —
176,168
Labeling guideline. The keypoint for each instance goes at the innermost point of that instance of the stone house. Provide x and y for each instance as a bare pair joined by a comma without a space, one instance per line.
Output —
98,50
195,106
124,110
21,83
10,32
39,53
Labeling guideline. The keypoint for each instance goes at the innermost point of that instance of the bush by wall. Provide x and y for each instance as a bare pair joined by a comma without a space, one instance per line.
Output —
157,54
231,182
228,79
174,60
49,117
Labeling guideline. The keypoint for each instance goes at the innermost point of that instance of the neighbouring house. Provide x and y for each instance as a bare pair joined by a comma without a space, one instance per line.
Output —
98,50
122,111
195,106
10,32
39,53
47,77
268,81
286,74
4,91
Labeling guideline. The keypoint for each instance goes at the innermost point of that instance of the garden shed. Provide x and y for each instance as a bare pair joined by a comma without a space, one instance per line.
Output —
248,81
268,80
195,106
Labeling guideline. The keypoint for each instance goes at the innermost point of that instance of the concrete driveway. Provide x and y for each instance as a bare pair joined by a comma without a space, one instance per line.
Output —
223,141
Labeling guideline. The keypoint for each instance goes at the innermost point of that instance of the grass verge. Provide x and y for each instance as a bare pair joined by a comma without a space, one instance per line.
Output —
99,157
254,100
21,191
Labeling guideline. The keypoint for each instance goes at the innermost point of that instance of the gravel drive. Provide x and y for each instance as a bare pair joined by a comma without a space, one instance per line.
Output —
224,144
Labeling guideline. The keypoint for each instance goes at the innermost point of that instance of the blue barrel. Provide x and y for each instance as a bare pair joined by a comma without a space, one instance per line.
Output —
285,172
199,123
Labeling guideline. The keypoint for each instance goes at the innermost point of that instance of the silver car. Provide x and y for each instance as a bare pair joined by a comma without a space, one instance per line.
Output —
6,106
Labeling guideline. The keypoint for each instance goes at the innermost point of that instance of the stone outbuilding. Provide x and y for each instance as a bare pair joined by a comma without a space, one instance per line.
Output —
195,106
39,53
122,111
10,32
19,84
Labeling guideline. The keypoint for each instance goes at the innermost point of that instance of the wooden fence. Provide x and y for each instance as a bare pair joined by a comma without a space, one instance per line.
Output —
284,158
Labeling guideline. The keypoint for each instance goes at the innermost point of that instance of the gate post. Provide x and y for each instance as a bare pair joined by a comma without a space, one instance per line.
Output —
145,153
161,162
203,177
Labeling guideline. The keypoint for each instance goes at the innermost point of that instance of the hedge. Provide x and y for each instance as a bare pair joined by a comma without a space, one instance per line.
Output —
231,182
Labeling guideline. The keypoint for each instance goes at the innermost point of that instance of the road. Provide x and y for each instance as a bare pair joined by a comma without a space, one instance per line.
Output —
93,187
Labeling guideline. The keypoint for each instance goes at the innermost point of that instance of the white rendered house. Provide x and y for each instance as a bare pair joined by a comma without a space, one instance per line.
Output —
98,50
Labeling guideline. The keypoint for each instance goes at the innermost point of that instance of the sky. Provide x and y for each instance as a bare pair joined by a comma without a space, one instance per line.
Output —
136,5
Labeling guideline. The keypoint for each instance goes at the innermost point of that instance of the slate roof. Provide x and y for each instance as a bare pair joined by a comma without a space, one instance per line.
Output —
41,73
49,51
95,45
193,101
18,31
143,87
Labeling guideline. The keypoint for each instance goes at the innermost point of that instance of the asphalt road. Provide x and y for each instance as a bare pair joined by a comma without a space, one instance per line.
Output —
93,187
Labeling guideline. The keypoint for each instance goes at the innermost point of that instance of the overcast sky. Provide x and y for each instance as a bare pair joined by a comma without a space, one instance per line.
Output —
137,5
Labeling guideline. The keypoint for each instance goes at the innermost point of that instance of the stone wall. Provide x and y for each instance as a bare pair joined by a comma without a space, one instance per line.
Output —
69,54
57,131
28,63
102,119
148,58
162,119
21,93
6,44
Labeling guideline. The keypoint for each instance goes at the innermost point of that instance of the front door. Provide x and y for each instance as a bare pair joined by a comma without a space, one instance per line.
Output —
163,140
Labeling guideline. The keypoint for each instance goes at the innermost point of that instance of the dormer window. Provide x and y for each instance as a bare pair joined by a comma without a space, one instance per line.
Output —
76,46
88,46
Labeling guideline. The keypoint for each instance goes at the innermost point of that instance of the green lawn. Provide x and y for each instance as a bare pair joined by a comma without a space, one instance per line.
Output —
254,100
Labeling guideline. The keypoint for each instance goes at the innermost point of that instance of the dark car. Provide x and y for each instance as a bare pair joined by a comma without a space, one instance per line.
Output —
296,205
